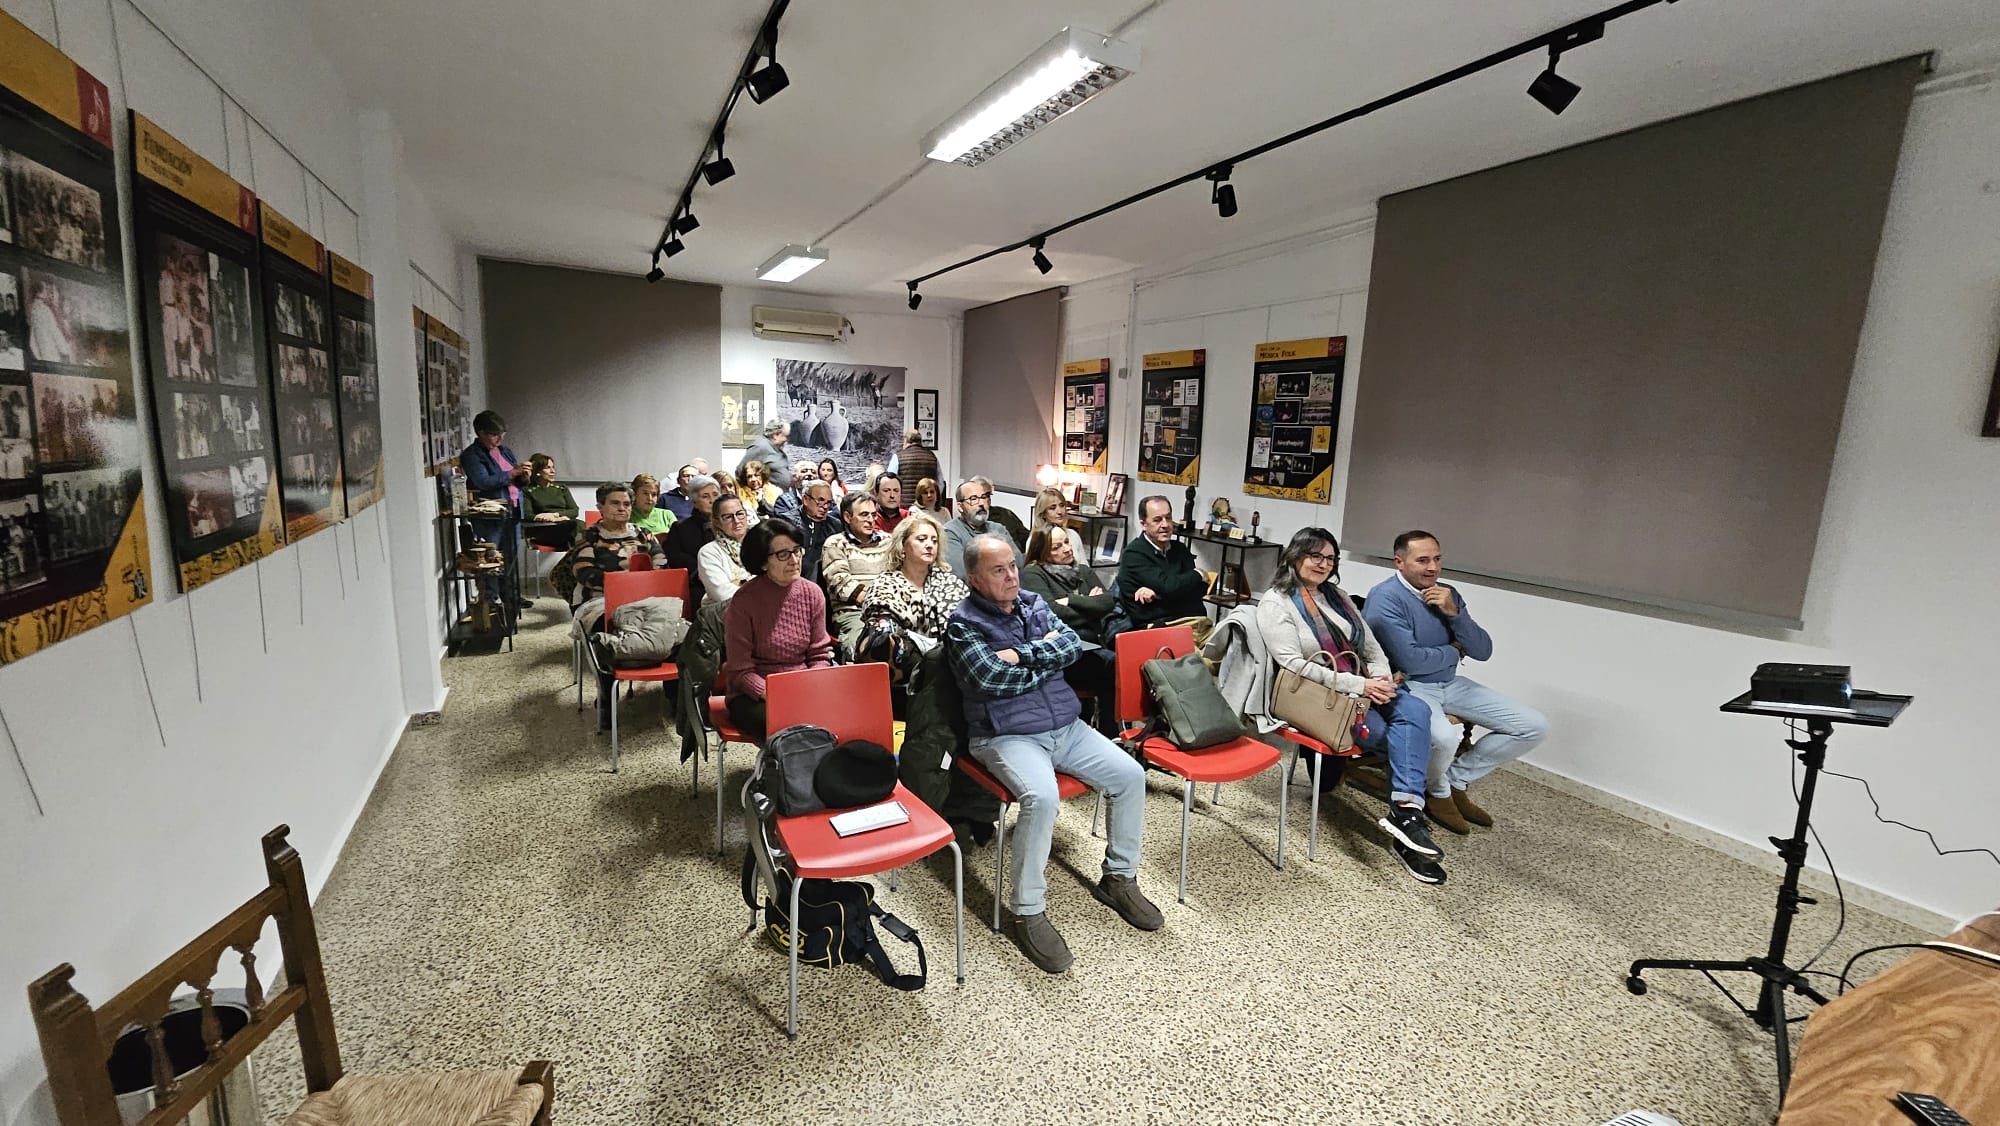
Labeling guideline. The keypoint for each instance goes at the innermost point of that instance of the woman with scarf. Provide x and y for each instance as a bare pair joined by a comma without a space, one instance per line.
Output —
1304,613
720,561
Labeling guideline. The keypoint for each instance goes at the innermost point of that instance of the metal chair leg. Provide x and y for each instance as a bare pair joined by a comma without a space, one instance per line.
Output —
1187,806
1283,808
792,994
1216,797
1000,865
958,882
1312,837
1096,810
721,775
614,727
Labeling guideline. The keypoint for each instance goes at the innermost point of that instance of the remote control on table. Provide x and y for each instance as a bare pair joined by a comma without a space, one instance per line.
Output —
1929,1109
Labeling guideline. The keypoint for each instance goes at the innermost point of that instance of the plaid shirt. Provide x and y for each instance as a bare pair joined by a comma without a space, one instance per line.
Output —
973,659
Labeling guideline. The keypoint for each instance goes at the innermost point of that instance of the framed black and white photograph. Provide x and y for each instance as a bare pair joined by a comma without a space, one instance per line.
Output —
1109,546
85,511
927,405
13,331
20,543
54,215
1114,494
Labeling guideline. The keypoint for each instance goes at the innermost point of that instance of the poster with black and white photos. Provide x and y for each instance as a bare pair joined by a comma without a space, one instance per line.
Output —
1086,415
298,297
73,551
1171,405
358,373
1295,388
210,388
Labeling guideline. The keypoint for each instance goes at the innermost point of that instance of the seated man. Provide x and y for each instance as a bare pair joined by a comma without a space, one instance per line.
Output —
1425,628
1157,579
848,562
678,501
889,510
819,523
975,507
1007,651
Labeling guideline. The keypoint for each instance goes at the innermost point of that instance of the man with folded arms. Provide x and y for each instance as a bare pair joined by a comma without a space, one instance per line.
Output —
1425,628
1157,578
1007,650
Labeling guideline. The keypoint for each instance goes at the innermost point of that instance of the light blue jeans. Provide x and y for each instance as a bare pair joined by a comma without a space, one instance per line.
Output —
1513,729
1027,765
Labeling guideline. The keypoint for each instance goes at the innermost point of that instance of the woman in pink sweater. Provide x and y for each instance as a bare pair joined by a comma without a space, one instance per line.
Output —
774,624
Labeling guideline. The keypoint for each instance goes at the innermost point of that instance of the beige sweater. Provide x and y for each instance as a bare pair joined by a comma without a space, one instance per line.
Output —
846,567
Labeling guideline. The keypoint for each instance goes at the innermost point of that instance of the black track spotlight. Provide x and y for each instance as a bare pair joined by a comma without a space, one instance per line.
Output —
916,298
765,82
685,223
1223,194
672,247
655,274
1551,89
1041,260
718,170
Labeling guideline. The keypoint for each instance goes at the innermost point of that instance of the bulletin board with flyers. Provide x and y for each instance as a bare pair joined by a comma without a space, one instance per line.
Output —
444,372
1170,417
1294,414
1086,415
200,296
73,549
358,375
298,302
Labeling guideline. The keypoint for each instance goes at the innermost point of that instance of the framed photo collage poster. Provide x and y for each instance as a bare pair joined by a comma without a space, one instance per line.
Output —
1170,417
1294,414
444,375
73,551
1086,415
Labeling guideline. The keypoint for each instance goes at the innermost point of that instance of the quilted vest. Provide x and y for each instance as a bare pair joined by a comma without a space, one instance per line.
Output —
1050,705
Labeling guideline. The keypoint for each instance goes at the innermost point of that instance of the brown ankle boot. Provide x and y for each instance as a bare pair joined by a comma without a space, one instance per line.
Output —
1445,812
1470,811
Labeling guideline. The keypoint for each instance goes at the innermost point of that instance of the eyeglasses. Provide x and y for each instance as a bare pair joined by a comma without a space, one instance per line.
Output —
974,497
1324,558
787,554
739,514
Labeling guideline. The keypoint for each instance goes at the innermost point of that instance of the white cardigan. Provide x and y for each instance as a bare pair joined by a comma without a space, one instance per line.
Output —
720,575
1290,641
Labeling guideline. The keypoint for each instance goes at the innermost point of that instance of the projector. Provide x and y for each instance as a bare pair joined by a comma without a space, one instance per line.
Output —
1802,686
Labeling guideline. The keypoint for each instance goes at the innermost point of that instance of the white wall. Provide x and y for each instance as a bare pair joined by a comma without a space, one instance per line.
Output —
1901,587
884,333
278,688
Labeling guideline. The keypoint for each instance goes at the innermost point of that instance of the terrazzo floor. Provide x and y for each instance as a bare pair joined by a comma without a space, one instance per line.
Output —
505,898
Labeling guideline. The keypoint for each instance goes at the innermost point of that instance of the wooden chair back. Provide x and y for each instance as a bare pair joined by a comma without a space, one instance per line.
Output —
77,1037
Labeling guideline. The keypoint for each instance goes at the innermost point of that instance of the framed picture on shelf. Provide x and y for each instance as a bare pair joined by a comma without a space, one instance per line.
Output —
1114,495
1110,545
1086,500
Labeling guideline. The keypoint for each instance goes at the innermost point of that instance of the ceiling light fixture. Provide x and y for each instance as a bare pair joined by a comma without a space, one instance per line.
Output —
1223,194
1064,73
719,169
1585,30
790,263
671,247
765,82
687,222
916,298
1041,260
655,274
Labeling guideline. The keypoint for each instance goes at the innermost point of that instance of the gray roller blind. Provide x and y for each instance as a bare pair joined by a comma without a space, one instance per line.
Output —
1011,369
609,375
1620,368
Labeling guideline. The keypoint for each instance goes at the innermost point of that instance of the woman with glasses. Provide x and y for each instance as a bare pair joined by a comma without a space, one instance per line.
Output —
774,624
1052,512
1305,613
720,561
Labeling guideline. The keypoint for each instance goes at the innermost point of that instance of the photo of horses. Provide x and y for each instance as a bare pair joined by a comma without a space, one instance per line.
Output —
852,413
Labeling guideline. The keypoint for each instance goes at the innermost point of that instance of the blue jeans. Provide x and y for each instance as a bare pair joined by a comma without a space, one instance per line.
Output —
1401,729
1027,765
1513,729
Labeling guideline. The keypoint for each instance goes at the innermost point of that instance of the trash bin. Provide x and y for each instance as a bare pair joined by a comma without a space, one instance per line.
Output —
234,1103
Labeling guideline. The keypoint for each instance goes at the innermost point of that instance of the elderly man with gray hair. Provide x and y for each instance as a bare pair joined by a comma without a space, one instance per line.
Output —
1007,650
767,449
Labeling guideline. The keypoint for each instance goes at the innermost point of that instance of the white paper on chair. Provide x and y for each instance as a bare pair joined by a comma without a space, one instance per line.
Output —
869,817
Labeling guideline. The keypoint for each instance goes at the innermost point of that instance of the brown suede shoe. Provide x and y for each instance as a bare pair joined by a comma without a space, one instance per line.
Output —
1369,779
1040,941
1445,812
1469,810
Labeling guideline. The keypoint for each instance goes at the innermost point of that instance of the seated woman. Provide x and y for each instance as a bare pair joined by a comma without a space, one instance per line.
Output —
848,562
1071,590
721,559
647,511
1052,512
774,624
930,502
757,492
609,545
829,471
549,508
1304,613
919,592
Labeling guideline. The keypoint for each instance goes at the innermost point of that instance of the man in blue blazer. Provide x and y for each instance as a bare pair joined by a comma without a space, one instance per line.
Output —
1426,630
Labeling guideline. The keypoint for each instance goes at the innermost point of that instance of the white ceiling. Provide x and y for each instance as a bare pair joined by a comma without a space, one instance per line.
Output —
562,133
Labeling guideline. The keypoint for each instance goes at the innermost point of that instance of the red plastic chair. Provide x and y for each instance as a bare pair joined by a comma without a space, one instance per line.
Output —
640,561
726,732
620,588
1320,752
1230,762
851,701
591,517
1066,788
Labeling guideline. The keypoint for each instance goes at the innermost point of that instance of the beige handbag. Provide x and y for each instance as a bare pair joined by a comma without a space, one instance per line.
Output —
1319,710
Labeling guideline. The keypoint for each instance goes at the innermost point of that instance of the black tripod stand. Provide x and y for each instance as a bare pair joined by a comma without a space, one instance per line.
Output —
1776,975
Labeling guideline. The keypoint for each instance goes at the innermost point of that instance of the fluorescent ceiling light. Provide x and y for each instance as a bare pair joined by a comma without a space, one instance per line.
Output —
790,263
1067,71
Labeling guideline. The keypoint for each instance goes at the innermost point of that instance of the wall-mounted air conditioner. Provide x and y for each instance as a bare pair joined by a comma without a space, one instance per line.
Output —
773,323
